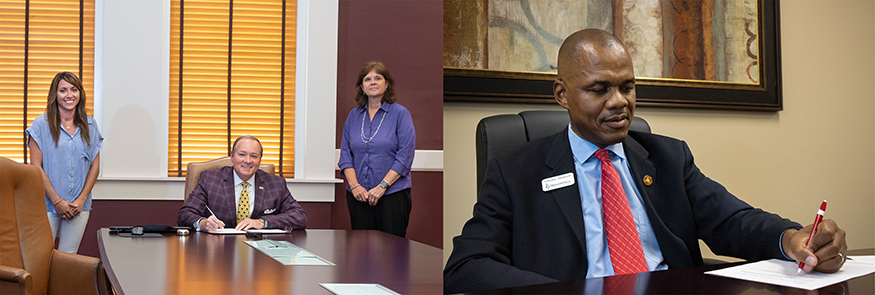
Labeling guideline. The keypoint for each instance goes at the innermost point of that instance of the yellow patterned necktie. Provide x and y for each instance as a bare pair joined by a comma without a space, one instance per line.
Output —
243,206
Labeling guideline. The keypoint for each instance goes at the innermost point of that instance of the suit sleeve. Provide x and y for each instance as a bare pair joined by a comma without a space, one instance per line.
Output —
291,216
728,225
482,254
194,206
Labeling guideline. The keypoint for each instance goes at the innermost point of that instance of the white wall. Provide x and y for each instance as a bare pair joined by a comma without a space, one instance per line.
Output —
821,146
132,100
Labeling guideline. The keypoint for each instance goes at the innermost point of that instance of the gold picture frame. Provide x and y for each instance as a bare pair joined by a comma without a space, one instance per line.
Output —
488,85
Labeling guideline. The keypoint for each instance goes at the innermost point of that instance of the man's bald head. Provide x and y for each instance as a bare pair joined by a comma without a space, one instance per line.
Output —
585,40
596,84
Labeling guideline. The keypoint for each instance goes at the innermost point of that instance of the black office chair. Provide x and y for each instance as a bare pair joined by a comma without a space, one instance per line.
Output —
500,133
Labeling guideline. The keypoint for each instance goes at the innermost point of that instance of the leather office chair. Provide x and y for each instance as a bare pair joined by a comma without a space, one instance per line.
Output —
29,264
194,170
500,133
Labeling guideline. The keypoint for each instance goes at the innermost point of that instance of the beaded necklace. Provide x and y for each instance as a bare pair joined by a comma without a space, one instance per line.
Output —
366,139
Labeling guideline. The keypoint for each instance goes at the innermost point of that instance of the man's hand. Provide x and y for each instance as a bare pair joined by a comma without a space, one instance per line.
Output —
210,224
825,252
248,224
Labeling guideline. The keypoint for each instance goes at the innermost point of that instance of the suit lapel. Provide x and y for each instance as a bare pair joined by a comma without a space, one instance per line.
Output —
560,161
259,205
642,167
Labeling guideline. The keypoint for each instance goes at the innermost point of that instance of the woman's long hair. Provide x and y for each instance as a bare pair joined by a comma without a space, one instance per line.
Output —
53,115
361,99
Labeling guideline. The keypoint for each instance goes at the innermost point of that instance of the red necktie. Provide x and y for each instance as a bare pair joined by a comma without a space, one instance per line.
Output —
623,242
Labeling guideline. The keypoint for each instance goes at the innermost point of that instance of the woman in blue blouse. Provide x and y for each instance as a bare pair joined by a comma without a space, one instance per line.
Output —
65,143
376,153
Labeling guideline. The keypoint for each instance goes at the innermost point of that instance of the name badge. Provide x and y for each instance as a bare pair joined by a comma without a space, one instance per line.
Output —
549,184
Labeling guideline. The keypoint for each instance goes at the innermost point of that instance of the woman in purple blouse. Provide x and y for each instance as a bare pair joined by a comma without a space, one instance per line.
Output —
376,153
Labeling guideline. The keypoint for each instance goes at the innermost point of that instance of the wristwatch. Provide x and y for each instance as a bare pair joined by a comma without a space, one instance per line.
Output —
384,184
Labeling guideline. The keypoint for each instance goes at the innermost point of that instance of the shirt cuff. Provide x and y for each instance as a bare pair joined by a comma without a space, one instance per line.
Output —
781,238
197,224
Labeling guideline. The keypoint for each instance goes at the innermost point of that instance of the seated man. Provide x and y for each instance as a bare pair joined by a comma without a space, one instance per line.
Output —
242,196
597,199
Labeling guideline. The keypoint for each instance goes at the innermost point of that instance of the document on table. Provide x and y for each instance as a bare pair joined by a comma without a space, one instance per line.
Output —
287,253
782,272
231,231
359,289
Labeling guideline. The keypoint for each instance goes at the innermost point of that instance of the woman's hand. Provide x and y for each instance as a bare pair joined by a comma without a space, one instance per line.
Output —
76,207
375,194
64,209
360,193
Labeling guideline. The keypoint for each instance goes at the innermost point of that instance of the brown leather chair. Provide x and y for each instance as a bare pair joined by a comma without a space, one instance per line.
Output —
194,170
29,264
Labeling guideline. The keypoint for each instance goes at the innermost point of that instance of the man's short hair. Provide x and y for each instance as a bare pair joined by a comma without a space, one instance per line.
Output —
247,136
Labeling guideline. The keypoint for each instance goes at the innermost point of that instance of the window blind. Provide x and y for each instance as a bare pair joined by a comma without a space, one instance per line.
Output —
38,39
232,72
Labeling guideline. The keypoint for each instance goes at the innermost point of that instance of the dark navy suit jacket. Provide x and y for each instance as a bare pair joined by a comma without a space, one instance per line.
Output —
215,188
521,235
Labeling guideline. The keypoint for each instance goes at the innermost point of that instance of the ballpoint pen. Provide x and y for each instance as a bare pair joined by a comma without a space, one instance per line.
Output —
211,211
817,220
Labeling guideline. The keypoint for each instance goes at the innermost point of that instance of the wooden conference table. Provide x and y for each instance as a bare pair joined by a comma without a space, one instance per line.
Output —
692,280
202,263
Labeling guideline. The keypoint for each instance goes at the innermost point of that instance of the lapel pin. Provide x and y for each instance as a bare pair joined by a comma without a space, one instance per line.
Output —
648,180
260,187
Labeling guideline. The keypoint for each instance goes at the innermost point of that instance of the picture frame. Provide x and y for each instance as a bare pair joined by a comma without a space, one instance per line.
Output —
486,85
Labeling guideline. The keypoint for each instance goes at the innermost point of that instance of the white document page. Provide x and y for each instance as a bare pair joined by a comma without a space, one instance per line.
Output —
227,231
231,231
783,273
358,289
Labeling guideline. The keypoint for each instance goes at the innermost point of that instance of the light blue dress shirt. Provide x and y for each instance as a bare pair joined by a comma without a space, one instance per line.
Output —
589,175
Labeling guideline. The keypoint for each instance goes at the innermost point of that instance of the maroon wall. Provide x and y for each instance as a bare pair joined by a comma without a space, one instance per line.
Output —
407,36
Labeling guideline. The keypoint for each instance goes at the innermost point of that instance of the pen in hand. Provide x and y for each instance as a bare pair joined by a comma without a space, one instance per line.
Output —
211,213
817,220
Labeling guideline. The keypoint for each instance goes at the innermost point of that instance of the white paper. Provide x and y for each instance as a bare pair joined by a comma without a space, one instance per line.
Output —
227,231
783,273
268,231
358,289
231,231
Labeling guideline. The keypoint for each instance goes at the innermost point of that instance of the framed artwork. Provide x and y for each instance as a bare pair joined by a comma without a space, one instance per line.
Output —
721,54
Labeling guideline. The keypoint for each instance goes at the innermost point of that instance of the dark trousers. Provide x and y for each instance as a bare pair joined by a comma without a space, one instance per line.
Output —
390,215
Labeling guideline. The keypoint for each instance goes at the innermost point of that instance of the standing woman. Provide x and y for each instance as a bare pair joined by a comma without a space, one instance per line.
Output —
65,143
376,153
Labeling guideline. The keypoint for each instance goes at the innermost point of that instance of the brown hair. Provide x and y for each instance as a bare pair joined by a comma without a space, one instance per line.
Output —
361,99
53,115
247,136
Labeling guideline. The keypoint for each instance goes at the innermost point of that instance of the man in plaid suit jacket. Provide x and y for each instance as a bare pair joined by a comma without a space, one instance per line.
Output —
271,203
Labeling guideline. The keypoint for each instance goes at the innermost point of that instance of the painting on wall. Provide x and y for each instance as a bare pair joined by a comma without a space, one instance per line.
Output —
686,53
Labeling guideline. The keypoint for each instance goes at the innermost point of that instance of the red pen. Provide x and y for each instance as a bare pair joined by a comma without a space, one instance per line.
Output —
817,220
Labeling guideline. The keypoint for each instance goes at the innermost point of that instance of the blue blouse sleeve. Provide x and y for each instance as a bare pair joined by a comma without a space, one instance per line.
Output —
345,149
96,139
36,131
406,134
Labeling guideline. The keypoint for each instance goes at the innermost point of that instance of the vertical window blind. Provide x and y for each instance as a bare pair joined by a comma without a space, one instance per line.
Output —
232,72
38,39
